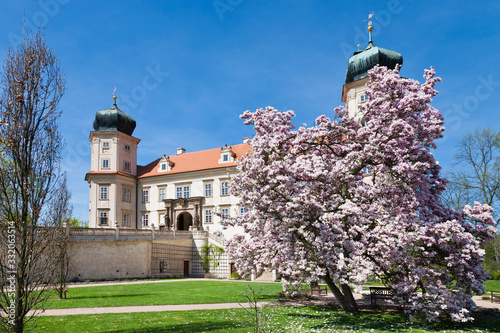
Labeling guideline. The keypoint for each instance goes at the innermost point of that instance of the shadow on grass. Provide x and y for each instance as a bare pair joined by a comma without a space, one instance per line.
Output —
334,318
221,326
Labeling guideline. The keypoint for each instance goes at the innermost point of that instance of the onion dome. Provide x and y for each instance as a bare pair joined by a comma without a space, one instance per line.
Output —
364,60
114,119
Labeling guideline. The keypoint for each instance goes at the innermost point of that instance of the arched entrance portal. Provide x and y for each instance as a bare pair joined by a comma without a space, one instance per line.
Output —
184,220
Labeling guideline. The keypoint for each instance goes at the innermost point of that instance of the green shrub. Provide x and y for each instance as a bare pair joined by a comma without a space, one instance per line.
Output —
495,275
235,275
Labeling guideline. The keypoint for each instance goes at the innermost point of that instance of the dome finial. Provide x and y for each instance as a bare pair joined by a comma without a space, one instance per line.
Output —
370,27
114,96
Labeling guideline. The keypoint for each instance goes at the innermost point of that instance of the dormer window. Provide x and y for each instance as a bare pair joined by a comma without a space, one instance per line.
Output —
165,164
226,155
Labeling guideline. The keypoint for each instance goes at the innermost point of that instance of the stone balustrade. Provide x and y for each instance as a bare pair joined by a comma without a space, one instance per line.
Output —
110,234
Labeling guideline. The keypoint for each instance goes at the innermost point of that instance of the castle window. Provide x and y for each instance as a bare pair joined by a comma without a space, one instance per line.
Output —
367,171
161,193
182,192
208,190
165,164
145,220
126,166
243,210
126,194
103,193
226,155
105,144
105,164
145,195
127,147
224,188
208,216
126,220
103,218
225,213
363,98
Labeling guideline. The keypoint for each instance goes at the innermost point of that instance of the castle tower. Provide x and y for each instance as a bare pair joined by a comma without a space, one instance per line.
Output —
112,176
354,90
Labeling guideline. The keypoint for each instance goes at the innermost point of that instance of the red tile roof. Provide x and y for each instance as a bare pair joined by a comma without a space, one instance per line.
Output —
195,161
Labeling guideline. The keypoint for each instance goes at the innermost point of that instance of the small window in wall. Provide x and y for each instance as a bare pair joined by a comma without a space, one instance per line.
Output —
126,194
145,220
105,164
164,265
164,167
224,188
126,220
208,216
103,193
367,171
178,192
363,98
105,144
103,218
127,147
161,193
126,166
225,213
145,195
208,190
225,157
243,210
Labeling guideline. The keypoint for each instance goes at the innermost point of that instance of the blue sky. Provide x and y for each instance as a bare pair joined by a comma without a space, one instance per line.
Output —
186,70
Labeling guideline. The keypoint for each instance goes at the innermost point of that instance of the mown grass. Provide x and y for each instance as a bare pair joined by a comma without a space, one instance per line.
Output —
161,293
492,285
282,319
175,292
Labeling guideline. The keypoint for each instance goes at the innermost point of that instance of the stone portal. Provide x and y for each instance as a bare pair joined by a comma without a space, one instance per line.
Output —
184,221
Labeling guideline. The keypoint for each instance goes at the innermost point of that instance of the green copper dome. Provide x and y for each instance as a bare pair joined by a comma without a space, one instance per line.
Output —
366,59
114,119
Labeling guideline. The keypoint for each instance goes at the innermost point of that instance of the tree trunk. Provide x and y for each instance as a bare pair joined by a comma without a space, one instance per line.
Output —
344,296
18,326
496,248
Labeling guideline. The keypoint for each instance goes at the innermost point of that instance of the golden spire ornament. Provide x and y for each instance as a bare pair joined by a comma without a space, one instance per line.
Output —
114,96
370,26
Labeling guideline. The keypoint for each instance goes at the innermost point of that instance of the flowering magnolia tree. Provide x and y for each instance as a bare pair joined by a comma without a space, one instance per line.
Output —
359,196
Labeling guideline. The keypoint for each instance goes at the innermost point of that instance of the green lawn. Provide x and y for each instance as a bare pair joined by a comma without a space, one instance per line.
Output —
175,292
287,319
492,285
162,293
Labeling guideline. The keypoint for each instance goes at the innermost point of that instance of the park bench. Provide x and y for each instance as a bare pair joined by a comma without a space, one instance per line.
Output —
380,293
315,287
495,296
